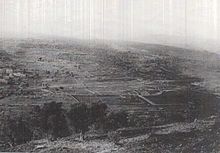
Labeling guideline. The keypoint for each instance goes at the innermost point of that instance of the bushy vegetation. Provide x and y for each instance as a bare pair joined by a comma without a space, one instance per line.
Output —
83,116
52,121
79,117
97,114
116,120
17,131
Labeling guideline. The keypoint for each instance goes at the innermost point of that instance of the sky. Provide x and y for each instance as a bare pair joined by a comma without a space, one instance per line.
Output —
181,22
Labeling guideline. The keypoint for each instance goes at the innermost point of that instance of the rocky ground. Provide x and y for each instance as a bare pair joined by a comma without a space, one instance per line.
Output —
173,91
198,136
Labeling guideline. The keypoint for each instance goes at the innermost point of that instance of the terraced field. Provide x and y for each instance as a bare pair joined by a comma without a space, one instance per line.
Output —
160,84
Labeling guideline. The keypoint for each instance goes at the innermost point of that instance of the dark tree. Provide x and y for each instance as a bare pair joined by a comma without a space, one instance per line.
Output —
57,125
115,120
98,114
17,131
79,117
53,120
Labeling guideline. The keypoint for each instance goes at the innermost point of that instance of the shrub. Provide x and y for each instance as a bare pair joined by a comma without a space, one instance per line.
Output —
53,120
17,131
116,120
97,114
79,117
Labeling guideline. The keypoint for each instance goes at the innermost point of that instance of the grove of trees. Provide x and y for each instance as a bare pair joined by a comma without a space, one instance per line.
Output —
53,121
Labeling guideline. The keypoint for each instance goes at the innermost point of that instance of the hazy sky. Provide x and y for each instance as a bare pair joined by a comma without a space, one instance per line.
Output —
183,21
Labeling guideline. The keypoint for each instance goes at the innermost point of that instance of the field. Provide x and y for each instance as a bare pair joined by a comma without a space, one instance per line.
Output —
173,92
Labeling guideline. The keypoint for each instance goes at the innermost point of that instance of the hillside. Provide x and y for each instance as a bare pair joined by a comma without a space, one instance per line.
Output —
160,85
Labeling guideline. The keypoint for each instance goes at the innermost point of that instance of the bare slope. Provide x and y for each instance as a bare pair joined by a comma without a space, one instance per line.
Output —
57,70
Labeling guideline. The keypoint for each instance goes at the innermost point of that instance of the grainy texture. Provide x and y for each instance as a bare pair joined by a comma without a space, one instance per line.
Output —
109,76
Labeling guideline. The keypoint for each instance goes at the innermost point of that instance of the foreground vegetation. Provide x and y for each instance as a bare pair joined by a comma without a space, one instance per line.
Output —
52,121
153,98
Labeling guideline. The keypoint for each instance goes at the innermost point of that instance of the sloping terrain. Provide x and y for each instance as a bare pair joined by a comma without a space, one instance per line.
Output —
199,136
49,70
159,84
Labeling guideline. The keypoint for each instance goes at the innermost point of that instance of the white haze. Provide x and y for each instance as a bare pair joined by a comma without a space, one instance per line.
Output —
192,23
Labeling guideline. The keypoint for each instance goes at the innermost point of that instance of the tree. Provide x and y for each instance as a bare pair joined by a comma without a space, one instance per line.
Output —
79,117
57,126
53,120
115,120
17,131
97,114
